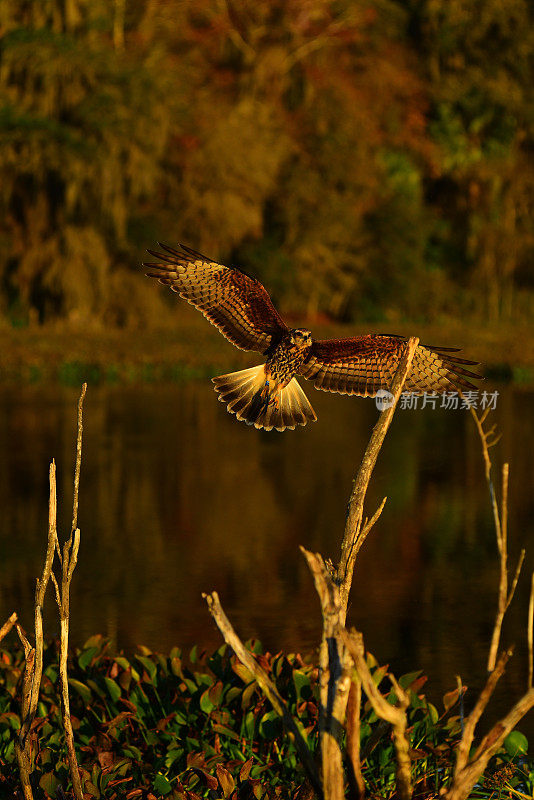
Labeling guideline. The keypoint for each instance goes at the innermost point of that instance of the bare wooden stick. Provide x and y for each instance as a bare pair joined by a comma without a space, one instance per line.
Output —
70,558
395,715
8,624
68,563
472,720
335,680
78,460
266,685
488,438
502,544
23,749
33,668
465,778
354,536
368,524
468,769
34,655
356,782
333,592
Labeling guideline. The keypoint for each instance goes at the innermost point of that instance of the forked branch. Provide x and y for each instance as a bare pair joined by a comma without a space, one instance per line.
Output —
488,439
469,768
33,667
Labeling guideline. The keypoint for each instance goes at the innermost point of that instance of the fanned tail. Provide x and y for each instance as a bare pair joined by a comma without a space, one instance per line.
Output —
253,399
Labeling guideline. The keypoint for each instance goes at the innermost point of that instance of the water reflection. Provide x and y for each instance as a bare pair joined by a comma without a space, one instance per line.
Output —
178,498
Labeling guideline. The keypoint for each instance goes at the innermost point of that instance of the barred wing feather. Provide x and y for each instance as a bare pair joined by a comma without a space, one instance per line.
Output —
238,305
364,364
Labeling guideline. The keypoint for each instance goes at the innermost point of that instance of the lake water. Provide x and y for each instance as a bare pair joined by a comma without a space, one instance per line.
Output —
177,498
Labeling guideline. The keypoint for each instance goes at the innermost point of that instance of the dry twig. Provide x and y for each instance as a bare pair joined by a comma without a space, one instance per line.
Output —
8,624
468,769
335,666
489,439
68,564
471,722
394,714
335,661
352,726
466,777
34,655
355,535
266,685
33,667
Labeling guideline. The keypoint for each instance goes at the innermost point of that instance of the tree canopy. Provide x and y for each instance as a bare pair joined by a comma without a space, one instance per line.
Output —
366,159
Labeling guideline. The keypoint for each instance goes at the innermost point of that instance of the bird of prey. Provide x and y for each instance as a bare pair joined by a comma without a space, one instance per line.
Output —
269,396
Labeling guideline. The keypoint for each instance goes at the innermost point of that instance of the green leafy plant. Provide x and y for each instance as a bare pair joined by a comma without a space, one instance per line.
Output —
197,726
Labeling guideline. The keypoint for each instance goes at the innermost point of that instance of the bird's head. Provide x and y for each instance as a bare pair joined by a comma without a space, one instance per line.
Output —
301,337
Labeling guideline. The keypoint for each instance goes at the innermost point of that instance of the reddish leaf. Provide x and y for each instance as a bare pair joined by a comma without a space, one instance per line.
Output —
209,780
245,769
162,724
226,780
195,760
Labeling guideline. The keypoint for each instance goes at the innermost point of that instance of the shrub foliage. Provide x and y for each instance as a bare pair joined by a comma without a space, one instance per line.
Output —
198,727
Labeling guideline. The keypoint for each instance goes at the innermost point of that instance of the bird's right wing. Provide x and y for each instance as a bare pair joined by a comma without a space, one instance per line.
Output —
362,365
238,305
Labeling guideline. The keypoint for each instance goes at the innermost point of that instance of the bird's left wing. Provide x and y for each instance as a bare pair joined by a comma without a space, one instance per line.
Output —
238,305
364,364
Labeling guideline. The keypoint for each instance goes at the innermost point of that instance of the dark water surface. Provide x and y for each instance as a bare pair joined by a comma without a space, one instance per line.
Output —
177,498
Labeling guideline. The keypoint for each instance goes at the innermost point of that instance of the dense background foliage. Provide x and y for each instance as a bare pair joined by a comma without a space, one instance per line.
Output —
365,158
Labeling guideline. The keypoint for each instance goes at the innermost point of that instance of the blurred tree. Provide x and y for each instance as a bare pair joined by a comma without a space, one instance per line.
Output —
296,107
478,57
365,158
81,128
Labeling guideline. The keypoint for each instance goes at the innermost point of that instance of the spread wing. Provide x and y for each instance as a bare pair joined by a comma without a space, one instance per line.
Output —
364,364
235,303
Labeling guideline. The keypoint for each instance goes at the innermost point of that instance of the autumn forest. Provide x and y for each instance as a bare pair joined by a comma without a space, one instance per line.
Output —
366,159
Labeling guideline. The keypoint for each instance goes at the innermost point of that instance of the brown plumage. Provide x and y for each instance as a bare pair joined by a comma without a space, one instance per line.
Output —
269,396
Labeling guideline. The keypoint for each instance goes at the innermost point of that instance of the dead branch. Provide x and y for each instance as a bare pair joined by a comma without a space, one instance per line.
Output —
8,624
335,662
266,685
62,592
334,670
465,778
33,667
489,438
471,722
78,460
469,769
352,726
354,535
394,714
